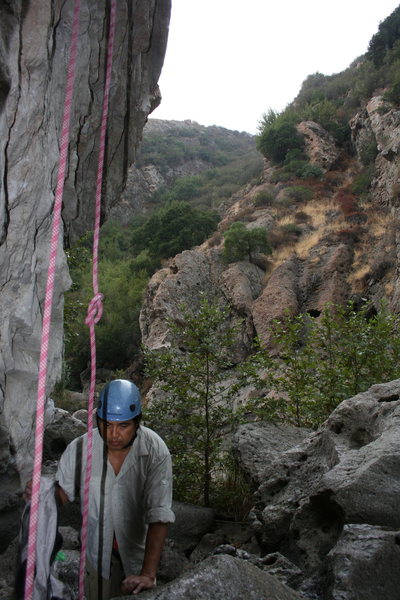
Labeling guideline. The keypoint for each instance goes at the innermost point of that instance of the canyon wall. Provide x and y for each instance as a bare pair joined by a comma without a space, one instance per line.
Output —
34,49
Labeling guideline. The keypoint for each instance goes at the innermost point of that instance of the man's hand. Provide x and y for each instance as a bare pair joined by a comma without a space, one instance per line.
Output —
134,584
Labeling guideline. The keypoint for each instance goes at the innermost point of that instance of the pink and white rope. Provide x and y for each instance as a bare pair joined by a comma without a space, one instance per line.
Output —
95,308
48,304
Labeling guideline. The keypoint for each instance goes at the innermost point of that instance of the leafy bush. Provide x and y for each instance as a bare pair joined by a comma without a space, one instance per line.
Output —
325,361
191,416
265,197
172,229
309,171
292,228
393,93
279,137
362,182
386,37
240,242
298,193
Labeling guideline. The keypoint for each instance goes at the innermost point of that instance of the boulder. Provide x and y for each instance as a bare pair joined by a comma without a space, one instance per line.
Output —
345,473
59,433
257,445
364,564
192,522
187,278
319,144
220,577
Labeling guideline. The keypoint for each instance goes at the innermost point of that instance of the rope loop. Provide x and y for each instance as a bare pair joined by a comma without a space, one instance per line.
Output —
95,310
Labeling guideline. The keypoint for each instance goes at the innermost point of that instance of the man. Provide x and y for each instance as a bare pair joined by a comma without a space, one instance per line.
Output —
130,495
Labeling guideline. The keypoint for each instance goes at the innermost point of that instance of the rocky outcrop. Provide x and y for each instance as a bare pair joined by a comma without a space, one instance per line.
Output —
187,277
33,50
257,445
335,494
319,144
220,577
378,126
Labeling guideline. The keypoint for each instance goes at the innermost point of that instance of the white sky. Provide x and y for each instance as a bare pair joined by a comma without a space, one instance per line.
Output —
229,61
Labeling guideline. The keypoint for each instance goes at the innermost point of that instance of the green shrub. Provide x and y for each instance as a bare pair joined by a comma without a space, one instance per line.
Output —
241,242
393,93
298,193
325,360
265,197
278,138
362,182
193,420
310,171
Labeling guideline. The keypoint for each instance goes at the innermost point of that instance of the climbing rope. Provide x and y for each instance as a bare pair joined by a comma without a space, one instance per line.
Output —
95,308
48,303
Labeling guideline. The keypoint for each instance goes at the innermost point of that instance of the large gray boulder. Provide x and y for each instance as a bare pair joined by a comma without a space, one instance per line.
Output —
365,564
221,577
346,473
34,43
257,445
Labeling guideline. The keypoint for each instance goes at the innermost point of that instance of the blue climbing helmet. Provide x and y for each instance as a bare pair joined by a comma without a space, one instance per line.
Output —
119,401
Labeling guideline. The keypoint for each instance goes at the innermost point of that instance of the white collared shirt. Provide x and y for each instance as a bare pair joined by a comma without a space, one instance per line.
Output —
141,493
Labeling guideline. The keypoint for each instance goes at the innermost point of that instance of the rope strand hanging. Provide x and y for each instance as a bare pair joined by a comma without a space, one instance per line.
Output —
95,308
48,305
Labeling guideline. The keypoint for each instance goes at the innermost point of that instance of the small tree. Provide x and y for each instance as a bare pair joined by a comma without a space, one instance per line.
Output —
198,401
323,361
240,242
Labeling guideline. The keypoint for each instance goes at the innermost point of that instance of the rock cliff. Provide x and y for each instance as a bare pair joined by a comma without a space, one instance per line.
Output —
330,247
34,45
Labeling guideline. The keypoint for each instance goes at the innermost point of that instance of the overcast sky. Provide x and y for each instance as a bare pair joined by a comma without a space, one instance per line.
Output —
229,61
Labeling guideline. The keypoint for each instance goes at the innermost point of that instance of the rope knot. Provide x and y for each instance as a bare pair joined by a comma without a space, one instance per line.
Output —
95,310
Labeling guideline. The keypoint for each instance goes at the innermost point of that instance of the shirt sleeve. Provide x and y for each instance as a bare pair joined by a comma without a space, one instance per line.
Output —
158,490
69,469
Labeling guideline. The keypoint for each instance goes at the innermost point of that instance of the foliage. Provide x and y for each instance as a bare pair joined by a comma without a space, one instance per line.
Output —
224,161
117,333
198,402
265,197
172,229
241,242
386,37
212,186
298,193
333,100
362,182
323,361
128,257
279,137
393,93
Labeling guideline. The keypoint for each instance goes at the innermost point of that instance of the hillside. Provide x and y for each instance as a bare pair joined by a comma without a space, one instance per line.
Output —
325,193
202,164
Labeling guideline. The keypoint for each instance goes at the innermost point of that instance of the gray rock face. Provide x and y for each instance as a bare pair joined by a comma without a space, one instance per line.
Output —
364,564
221,577
346,473
186,277
379,124
319,144
33,59
256,445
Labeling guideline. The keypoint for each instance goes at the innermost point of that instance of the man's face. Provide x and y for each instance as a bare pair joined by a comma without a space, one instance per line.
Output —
117,435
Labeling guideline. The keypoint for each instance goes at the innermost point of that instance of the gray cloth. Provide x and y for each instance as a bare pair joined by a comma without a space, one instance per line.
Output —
46,585
123,504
